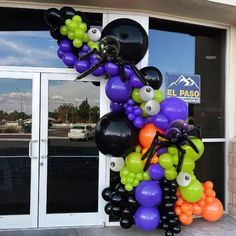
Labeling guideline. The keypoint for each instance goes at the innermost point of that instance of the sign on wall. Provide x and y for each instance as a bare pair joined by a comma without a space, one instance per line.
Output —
184,86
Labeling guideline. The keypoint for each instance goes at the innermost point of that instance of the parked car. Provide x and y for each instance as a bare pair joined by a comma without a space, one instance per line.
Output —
81,131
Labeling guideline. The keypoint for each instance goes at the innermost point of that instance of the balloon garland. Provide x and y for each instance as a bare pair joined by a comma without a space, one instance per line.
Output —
145,135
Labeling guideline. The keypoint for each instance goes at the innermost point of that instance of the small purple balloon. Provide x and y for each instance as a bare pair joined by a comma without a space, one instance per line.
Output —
69,59
131,102
156,172
174,108
148,120
148,193
138,111
111,69
82,65
65,46
161,151
60,53
115,107
139,122
131,116
160,121
118,91
85,48
99,71
129,109
147,218
135,82
128,72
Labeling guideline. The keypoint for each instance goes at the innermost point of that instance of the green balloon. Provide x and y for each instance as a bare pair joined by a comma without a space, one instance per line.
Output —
165,160
124,172
77,19
171,173
129,187
90,43
139,176
146,176
129,180
135,183
144,114
158,95
71,36
68,21
77,43
193,192
173,150
85,38
188,165
189,150
123,180
138,148
72,27
134,163
95,45
79,34
135,96
83,26
63,30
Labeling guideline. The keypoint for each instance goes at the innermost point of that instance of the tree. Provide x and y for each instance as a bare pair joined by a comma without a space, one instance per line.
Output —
94,114
66,113
83,112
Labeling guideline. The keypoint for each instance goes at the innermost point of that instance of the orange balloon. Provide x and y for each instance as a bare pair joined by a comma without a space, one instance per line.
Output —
178,211
185,219
213,211
209,192
201,203
147,134
178,193
208,185
179,202
197,210
186,207
209,200
203,197
154,158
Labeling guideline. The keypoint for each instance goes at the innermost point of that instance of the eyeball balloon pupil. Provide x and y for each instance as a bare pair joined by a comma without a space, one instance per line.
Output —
149,108
112,164
94,31
187,177
148,90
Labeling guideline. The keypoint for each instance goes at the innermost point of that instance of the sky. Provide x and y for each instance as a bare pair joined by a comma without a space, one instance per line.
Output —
168,51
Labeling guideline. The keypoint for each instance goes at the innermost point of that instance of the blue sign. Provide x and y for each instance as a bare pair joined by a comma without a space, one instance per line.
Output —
184,86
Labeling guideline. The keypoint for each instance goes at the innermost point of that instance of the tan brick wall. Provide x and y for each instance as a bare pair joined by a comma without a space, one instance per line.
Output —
232,179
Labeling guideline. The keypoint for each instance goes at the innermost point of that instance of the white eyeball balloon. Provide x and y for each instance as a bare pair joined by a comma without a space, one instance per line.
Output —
94,34
146,93
117,163
183,179
152,107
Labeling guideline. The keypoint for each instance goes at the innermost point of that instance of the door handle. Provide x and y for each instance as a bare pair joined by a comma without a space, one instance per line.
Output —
46,148
30,149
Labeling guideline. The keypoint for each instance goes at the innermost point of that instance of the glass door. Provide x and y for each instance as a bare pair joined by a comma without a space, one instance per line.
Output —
72,172
19,149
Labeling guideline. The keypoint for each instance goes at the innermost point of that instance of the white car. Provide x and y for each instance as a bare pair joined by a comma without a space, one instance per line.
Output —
81,131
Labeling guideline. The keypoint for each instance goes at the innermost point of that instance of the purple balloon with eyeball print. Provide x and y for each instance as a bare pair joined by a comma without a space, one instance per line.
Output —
118,91
69,59
116,107
160,121
156,172
174,108
148,193
82,65
147,218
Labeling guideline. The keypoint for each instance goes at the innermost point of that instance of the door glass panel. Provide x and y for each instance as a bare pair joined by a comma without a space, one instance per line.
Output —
15,135
73,155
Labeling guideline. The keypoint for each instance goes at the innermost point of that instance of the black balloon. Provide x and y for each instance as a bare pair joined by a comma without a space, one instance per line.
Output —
132,37
153,76
116,199
106,194
169,233
115,135
53,17
126,223
126,212
108,208
177,229
116,211
67,13
120,188
55,33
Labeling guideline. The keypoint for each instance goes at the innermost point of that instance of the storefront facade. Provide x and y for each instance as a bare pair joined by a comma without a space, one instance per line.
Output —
51,180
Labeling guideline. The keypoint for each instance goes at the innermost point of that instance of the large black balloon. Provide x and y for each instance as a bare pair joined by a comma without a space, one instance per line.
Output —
132,37
67,13
55,33
153,76
53,17
115,135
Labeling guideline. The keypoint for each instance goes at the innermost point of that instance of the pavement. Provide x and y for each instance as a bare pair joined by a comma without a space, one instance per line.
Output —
225,227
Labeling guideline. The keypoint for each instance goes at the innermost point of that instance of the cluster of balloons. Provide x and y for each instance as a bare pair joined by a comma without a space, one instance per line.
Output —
121,204
145,136
208,206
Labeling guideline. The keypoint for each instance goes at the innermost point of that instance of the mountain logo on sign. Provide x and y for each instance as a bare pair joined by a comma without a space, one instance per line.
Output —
186,82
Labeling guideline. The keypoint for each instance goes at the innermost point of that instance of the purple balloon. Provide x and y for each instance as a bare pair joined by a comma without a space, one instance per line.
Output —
69,59
118,91
139,122
111,69
138,111
60,54
131,116
85,48
128,71
174,108
65,46
148,193
156,172
99,71
135,82
160,121
147,218
161,151
115,107
82,65
148,120
131,102
129,109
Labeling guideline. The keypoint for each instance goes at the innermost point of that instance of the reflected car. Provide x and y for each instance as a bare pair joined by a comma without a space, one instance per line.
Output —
83,132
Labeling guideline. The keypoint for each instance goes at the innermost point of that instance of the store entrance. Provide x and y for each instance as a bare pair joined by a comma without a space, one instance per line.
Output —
51,173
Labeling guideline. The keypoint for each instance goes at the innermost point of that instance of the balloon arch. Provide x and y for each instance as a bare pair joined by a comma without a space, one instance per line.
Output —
146,136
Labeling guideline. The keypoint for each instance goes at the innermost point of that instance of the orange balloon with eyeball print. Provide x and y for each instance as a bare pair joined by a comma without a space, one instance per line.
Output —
146,135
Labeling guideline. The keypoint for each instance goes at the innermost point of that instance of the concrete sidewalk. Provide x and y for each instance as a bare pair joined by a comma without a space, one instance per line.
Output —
225,227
